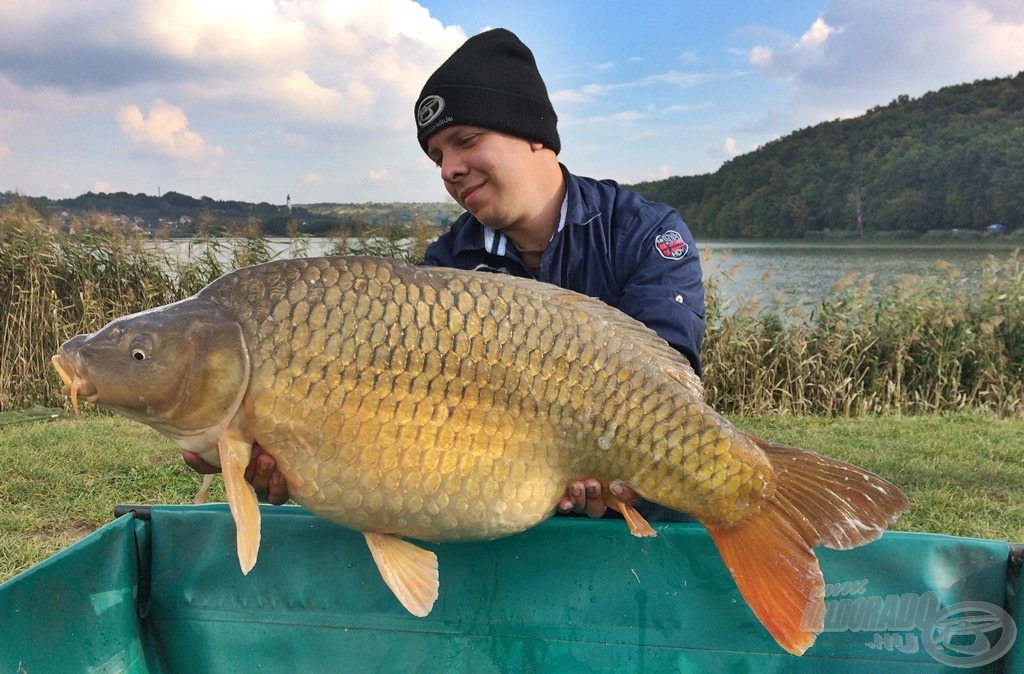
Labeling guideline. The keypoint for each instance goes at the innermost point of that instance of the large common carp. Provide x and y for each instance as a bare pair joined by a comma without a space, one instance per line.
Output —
447,405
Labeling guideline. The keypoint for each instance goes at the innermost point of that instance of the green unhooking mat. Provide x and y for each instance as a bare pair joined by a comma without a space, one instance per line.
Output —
164,594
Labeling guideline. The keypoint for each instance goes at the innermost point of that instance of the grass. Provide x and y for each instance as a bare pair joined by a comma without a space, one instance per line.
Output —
63,478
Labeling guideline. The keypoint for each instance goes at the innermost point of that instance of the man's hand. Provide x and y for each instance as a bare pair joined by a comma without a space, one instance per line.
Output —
269,484
585,496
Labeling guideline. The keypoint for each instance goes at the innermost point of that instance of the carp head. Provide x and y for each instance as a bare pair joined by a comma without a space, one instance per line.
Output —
182,368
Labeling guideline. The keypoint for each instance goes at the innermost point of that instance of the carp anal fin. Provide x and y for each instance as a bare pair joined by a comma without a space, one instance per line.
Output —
638,526
817,501
409,570
245,508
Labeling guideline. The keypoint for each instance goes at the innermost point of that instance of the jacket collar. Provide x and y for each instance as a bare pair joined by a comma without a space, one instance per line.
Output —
578,209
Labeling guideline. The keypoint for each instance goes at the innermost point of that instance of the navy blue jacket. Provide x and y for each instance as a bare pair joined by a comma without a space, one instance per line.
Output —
614,245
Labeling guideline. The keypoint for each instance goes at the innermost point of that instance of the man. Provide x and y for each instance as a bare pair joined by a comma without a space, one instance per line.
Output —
485,118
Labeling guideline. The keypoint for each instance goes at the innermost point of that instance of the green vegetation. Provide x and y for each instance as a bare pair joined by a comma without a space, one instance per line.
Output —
895,350
62,479
917,346
179,215
948,160
912,348
54,286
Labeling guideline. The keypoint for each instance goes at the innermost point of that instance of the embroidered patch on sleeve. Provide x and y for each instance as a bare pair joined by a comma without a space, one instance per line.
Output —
671,245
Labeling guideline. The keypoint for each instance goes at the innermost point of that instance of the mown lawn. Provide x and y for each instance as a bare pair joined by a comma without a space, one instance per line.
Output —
964,474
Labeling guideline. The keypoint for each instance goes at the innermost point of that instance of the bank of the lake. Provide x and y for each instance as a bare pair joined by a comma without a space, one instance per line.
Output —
942,341
788,272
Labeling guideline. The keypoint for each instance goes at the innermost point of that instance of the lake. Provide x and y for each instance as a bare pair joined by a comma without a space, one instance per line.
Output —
789,273
801,273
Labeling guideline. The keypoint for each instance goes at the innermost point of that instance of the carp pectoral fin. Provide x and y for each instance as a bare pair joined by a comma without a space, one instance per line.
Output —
409,570
201,494
245,508
638,526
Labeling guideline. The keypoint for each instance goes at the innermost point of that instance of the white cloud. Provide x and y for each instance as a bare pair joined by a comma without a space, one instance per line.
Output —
862,53
793,58
589,92
164,133
312,179
270,88
379,176
308,62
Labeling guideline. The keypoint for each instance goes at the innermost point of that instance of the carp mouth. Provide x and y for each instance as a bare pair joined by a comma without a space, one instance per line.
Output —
75,384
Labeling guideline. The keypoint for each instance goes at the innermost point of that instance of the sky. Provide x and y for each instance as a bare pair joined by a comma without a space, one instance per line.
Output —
256,100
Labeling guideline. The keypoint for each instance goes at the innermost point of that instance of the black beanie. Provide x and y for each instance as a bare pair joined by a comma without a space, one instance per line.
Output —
491,81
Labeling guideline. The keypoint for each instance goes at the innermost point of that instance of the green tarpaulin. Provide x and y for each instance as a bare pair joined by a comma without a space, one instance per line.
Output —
165,594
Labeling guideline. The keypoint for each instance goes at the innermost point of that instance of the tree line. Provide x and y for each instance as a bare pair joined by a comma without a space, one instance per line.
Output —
950,159
180,215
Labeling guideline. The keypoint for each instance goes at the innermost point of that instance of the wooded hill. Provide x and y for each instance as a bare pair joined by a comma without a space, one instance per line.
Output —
952,159
181,215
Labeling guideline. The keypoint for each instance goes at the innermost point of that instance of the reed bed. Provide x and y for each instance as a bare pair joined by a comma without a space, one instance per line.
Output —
917,346
55,284
913,347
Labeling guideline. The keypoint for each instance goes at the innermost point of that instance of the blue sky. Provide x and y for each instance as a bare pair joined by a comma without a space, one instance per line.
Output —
256,99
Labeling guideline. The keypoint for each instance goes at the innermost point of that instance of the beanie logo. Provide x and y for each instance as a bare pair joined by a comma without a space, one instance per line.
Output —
430,108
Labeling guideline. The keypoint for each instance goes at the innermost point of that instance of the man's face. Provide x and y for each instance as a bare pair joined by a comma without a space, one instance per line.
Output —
487,172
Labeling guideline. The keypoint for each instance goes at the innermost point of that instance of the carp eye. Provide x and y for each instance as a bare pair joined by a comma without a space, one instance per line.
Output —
141,346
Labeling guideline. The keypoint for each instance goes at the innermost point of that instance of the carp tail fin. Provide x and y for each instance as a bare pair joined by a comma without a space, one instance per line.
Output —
833,503
409,570
817,501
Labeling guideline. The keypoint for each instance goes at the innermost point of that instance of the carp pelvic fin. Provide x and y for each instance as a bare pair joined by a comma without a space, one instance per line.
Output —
203,489
638,526
245,508
817,501
409,570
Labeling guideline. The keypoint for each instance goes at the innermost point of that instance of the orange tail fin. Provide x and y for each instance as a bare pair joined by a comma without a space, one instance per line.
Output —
817,501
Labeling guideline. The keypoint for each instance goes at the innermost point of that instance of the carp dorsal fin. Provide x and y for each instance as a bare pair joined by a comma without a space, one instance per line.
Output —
670,361
245,507
409,570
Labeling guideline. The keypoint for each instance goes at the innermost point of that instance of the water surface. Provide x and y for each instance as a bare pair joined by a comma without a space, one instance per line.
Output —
801,273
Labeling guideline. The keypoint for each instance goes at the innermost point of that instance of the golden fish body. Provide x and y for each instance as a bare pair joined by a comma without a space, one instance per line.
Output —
447,406
450,405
